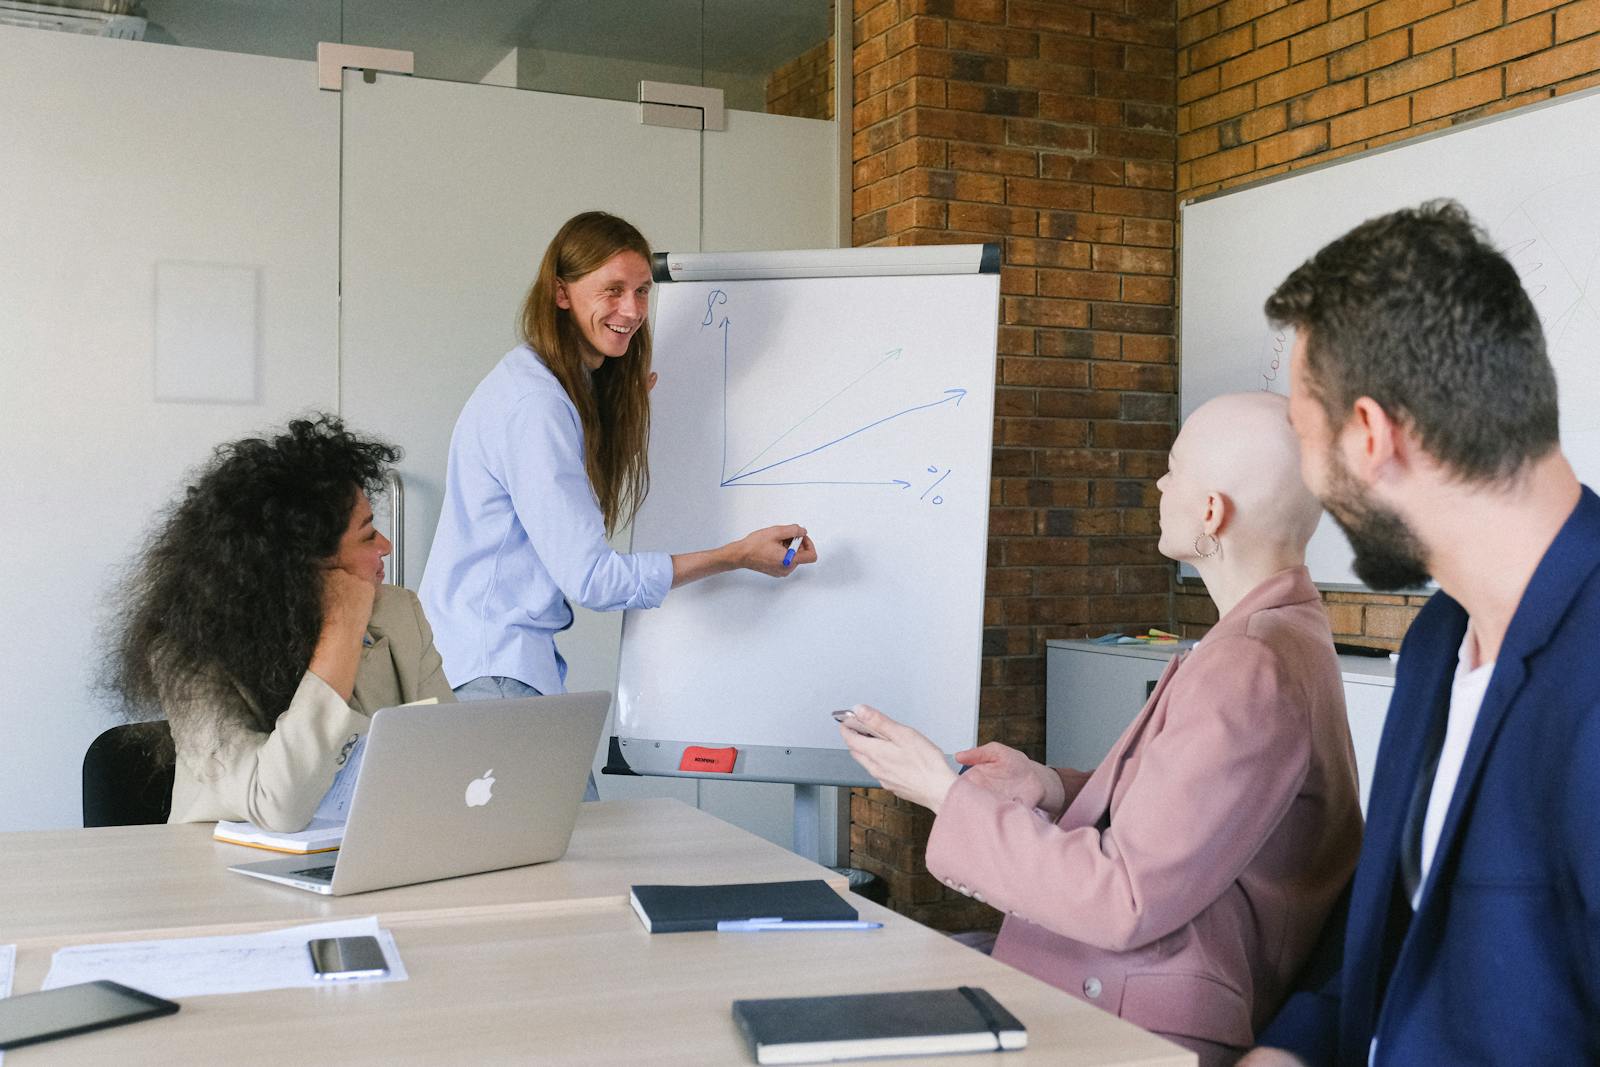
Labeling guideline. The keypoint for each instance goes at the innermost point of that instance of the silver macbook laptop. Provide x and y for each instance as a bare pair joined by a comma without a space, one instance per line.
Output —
447,790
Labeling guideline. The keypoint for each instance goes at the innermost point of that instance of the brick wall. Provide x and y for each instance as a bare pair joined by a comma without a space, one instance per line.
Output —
1050,128
803,87
1375,620
1265,87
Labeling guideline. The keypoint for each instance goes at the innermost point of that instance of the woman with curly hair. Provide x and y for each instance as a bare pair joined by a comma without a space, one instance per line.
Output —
256,621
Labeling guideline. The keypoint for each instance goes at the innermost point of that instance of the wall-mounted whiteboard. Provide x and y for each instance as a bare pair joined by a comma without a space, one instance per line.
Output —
1530,178
861,408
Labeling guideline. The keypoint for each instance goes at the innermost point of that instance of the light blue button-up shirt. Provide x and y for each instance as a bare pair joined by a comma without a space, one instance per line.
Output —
521,532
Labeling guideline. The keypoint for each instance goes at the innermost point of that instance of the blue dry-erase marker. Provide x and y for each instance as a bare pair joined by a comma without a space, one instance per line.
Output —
794,546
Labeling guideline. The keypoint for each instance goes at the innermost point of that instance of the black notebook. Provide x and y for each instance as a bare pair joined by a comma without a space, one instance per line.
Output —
670,909
927,1022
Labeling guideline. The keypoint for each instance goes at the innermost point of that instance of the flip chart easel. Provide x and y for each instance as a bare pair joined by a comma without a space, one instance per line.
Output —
850,391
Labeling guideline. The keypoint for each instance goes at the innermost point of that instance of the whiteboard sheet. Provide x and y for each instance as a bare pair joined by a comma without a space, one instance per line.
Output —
862,409
1529,178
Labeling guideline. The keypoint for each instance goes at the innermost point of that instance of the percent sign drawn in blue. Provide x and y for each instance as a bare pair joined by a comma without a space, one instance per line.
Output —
741,477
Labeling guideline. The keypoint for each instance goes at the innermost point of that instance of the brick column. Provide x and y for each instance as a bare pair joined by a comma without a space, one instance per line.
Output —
1048,126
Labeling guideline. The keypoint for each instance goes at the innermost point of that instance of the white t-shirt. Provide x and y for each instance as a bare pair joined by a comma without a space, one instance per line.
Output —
1466,699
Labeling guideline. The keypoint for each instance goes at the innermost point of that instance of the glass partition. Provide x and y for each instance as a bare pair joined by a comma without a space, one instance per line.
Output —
765,55
288,29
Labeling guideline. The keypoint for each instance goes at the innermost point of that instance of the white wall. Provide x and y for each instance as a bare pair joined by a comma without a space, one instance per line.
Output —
126,154
120,155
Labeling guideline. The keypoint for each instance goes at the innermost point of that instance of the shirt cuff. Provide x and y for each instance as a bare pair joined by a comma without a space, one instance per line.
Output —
655,573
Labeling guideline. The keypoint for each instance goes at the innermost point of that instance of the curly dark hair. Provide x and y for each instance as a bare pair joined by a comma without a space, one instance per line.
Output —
1417,310
229,585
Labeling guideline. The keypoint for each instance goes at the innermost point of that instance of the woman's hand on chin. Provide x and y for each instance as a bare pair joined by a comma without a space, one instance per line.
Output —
346,602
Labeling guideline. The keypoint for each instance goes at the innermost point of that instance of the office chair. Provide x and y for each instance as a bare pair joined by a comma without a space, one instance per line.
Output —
127,775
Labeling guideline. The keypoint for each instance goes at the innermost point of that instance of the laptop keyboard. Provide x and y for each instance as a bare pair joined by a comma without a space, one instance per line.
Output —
320,874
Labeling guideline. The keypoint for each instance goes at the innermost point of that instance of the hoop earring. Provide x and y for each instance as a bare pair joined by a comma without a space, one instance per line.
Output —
1216,545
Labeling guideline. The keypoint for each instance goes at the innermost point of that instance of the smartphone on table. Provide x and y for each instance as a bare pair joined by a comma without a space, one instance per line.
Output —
30,1018
847,718
333,958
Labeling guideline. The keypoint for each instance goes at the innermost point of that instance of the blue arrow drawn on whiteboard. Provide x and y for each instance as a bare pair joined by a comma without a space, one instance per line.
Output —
892,354
952,396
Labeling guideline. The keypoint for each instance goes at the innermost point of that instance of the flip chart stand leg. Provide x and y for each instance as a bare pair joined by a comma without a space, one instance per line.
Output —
808,822
810,817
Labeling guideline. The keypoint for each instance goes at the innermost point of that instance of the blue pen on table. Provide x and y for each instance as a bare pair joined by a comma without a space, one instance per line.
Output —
759,926
794,546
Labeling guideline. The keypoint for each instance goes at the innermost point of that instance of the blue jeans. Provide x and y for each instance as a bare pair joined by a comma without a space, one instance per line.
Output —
499,687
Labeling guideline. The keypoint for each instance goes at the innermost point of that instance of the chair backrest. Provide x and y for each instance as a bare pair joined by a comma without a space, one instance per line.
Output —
127,775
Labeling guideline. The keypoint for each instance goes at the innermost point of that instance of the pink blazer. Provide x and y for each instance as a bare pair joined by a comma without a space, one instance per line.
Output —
1188,878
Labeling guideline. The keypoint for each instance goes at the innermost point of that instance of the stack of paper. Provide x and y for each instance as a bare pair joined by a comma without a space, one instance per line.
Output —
323,835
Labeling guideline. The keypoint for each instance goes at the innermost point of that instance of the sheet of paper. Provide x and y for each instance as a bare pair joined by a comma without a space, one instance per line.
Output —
335,806
202,966
8,962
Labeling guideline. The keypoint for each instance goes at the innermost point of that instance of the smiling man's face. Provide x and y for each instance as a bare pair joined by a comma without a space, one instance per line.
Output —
608,304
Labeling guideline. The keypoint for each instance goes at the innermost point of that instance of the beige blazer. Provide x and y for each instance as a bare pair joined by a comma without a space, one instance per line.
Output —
1188,877
228,770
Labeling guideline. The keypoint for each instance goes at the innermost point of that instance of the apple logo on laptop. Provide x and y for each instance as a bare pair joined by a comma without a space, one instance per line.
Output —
480,790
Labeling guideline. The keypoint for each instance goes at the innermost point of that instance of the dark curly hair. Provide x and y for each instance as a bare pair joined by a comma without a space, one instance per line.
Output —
1419,311
229,586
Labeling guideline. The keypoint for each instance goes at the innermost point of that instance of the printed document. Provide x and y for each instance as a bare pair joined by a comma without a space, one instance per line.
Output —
201,966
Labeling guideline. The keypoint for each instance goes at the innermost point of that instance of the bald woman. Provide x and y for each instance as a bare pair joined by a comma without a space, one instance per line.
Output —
1182,883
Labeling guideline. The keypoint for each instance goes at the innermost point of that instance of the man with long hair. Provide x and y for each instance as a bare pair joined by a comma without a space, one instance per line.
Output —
1426,410
548,458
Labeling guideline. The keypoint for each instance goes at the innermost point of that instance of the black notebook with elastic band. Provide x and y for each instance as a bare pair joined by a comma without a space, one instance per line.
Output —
926,1022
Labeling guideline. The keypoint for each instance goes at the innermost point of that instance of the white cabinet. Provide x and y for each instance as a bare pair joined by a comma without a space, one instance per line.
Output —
1093,691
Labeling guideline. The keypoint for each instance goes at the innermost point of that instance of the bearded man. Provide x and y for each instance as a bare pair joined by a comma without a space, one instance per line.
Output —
1426,410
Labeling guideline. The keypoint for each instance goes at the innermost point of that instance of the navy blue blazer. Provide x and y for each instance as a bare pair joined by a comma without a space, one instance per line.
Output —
1501,962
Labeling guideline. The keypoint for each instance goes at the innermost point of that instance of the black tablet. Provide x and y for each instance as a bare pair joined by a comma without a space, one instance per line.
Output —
74,1009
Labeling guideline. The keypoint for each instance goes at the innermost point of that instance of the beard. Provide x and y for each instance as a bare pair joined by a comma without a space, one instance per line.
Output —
1388,555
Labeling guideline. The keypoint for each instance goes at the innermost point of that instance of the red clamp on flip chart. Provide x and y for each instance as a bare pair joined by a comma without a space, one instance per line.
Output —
708,760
